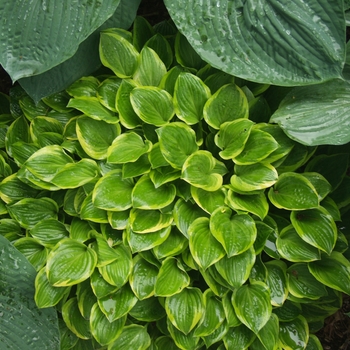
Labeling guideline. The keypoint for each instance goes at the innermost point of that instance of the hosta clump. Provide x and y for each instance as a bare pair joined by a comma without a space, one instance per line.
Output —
162,210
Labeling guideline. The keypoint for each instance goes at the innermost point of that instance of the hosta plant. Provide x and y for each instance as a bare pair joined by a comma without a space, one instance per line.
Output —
162,210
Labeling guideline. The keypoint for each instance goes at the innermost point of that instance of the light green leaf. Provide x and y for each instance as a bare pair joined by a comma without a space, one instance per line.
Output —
127,147
202,170
208,201
293,191
256,294
294,334
69,263
316,227
262,42
229,103
236,269
104,250
118,54
146,221
95,136
104,331
236,233
177,141
112,192
152,105
100,286
118,304
134,169
88,211
171,279
306,114
190,95
133,337
291,247
150,69
205,249
185,309
29,211
107,91
332,271
18,131
302,284
253,177
146,196
232,137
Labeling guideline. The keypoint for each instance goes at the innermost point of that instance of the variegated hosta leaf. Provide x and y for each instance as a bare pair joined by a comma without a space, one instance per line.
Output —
277,281
100,286
256,294
202,170
70,262
104,331
269,334
294,334
171,279
148,310
316,227
190,96
185,309
205,249
177,141
183,341
107,91
146,221
208,201
236,233
118,304
239,337
132,337
217,335
105,252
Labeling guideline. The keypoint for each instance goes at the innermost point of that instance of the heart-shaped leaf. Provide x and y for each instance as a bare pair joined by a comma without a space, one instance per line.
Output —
146,221
256,294
205,249
236,233
202,170
208,201
316,227
185,309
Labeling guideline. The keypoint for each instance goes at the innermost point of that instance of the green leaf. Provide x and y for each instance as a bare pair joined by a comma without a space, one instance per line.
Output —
205,249
253,177
185,309
232,137
236,233
291,247
22,324
262,42
91,107
146,221
134,169
100,286
152,105
88,211
104,331
84,87
208,201
17,131
175,243
118,54
294,334
146,196
132,337
162,47
277,281
112,192
150,69
127,147
217,335
118,304
269,334
171,279
117,272
316,227
259,146
202,170
213,316
256,294
177,141
322,186
293,191
70,262
236,269
107,91
314,343
299,113
302,284
29,211
332,271
143,277
239,338
148,310
190,96
229,103
252,203
95,136
231,317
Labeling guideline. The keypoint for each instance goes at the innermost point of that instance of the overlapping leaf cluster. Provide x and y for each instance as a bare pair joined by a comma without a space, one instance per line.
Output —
162,210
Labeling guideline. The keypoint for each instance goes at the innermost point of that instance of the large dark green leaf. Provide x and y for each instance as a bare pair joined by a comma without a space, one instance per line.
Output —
266,41
22,324
316,115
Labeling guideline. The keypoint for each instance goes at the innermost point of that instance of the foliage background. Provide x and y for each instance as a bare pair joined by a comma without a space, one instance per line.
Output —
336,331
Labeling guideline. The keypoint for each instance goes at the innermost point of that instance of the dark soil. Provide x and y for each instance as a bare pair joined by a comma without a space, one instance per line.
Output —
335,335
